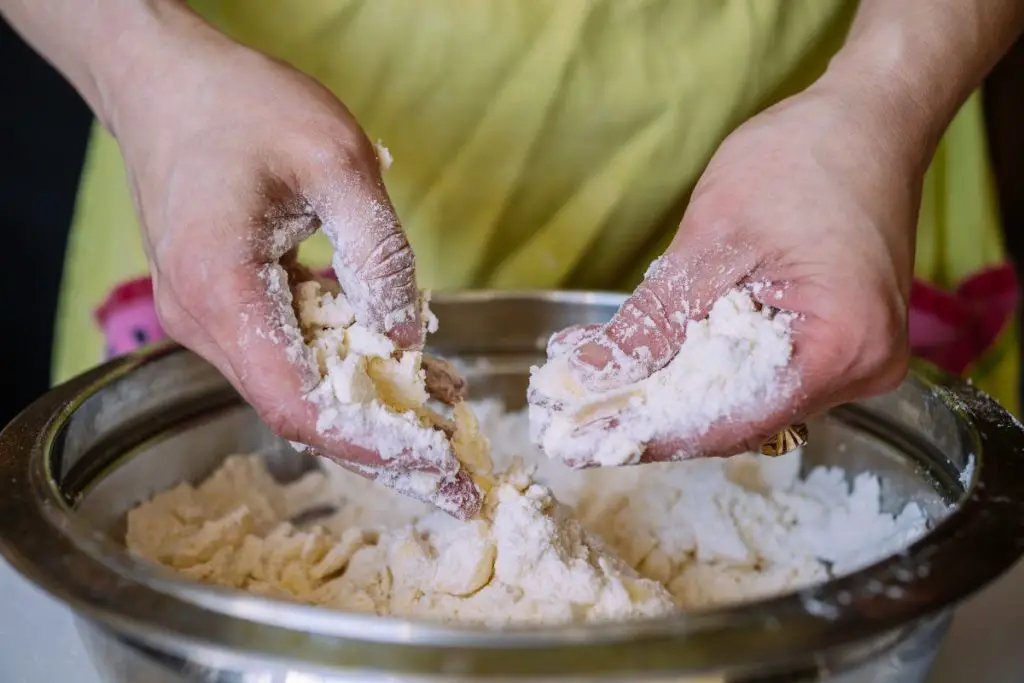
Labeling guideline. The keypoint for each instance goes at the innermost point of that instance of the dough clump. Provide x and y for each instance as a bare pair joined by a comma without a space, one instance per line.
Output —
730,366
622,544
377,396
548,545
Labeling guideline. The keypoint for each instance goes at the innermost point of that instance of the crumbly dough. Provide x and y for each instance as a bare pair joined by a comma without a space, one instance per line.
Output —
545,546
375,395
622,544
730,366
530,561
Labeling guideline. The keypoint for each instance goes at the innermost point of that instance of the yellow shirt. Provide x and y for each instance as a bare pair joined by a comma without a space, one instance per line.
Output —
538,144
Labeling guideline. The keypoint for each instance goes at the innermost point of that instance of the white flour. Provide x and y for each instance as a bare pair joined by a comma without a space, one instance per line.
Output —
549,545
624,543
729,367
374,396
384,157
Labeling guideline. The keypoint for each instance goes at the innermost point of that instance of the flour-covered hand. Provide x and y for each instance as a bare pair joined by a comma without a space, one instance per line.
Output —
234,159
814,202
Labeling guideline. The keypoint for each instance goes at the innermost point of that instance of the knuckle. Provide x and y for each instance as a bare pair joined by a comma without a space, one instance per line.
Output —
391,259
388,277
351,147
889,377
649,304
349,152
643,329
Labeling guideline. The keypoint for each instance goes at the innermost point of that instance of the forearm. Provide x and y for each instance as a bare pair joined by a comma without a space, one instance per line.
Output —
103,47
918,60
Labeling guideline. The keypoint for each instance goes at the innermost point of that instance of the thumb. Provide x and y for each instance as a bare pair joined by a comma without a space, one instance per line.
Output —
372,257
648,329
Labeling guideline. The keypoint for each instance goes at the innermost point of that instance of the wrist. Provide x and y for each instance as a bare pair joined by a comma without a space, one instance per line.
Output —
888,140
901,96
151,48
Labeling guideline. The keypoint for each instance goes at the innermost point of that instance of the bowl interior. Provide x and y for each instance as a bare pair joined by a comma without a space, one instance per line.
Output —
174,419
92,449
194,448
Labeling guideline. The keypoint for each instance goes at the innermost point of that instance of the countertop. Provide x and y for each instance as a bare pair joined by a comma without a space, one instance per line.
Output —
39,644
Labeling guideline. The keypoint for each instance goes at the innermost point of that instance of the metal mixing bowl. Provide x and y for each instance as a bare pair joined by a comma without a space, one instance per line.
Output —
80,457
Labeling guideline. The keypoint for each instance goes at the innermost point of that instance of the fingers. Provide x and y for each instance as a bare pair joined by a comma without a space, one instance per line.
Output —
458,495
373,259
248,312
184,328
430,473
562,342
618,419
263,354
287,221
833,362
725,438
643,335
648,329
296,270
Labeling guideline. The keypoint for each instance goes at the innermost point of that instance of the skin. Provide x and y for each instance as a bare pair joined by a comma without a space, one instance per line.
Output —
233,159
817,196
227,150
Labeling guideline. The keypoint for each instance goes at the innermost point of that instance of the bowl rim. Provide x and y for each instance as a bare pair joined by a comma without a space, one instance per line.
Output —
53,549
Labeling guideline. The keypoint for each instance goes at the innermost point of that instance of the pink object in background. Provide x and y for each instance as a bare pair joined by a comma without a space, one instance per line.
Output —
128,317
954,328
128,320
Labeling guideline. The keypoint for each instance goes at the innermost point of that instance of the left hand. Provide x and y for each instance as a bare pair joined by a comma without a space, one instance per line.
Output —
817,196
233,159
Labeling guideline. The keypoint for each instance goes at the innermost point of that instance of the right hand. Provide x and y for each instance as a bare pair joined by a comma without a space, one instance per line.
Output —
233,159
817,197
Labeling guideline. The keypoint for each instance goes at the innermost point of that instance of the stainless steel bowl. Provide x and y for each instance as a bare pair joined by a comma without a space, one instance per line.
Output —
74,463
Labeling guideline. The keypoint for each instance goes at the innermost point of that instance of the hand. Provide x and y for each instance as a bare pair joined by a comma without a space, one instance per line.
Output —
817,197
233,159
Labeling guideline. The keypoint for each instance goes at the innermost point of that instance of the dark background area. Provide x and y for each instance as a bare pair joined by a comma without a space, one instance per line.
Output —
1004,110
43,131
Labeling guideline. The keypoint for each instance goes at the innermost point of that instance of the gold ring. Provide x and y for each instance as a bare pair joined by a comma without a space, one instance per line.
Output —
789,439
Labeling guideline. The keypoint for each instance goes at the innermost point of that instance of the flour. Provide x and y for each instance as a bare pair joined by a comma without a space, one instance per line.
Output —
551,546
384,157
531,542
730,366
282,325
381,554
374,395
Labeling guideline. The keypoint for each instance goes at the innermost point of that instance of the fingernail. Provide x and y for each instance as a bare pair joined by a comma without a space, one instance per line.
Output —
406,335
595,367
591,356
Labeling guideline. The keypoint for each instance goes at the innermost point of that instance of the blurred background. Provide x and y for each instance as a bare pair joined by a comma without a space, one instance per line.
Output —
43,131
